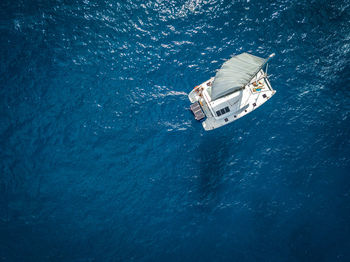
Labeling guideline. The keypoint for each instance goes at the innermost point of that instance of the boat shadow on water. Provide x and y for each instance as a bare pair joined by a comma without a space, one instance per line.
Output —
213,154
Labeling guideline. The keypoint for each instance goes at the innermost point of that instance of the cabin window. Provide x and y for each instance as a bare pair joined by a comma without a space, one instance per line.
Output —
223,111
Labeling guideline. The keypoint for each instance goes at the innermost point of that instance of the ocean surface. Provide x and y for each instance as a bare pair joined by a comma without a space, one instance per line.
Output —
101,160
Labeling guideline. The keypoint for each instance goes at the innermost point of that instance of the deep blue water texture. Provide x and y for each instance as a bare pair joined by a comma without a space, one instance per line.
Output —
101,160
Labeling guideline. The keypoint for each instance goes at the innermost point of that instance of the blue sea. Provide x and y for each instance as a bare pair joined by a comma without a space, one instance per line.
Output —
101,160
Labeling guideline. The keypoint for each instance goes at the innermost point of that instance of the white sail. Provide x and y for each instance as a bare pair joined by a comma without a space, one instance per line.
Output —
235,74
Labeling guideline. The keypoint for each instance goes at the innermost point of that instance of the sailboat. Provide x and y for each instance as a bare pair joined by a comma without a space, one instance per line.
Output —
240,86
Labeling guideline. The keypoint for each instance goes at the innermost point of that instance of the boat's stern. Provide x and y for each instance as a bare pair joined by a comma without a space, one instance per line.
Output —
197,111
199,106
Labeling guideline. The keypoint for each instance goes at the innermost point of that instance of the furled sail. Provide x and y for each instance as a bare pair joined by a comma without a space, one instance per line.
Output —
235,73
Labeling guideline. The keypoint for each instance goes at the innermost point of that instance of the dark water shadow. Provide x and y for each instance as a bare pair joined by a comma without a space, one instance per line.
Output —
213,154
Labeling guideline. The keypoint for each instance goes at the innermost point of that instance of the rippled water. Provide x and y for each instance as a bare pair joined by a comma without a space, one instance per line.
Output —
102,161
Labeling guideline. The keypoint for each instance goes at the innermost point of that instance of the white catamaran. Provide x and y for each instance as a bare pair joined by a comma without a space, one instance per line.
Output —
240,86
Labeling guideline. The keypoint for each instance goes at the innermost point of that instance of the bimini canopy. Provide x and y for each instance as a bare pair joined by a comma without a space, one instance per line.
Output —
236,73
